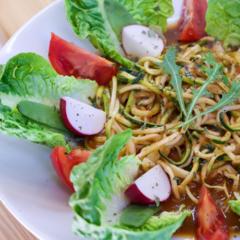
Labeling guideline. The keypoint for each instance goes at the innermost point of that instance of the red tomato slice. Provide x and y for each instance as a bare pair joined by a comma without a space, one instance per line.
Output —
211,224
193,21
69,59
63,163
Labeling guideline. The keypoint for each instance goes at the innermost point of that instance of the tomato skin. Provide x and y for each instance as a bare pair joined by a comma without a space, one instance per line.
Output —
193,21
211,224
63,163
71,60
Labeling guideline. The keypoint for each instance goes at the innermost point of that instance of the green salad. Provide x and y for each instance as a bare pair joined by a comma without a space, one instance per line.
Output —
144,134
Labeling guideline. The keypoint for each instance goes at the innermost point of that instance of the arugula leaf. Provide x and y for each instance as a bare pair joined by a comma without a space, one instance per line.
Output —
15,124
170,67
29,76
99,198
151,12
227,98
223,21
89,19
212,72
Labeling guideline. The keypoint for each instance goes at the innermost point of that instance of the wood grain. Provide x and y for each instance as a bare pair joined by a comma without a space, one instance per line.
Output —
10,229
13,14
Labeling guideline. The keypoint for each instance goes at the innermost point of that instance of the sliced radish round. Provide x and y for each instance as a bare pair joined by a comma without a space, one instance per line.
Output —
141,41
153,186
80,118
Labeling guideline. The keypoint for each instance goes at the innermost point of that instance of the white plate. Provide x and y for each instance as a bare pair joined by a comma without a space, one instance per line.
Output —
28,185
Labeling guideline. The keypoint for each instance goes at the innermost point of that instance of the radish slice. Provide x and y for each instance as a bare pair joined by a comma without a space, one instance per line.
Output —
153,186
81,118
140,41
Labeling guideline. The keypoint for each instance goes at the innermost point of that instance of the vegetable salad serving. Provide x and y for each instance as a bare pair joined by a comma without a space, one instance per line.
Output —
146,134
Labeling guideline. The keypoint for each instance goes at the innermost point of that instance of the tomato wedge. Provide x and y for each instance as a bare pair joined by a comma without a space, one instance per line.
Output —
193,21
71,60
63,163
211,224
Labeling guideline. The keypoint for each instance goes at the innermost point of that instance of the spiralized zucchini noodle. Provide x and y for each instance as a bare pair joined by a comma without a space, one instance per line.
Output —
210,147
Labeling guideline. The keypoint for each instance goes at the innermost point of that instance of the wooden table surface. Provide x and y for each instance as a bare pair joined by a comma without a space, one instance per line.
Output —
13,14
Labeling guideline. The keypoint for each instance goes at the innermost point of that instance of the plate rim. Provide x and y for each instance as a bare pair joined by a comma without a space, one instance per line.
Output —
11,40
27,225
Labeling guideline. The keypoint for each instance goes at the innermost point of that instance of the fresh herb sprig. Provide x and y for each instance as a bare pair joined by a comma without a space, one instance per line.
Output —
212,70
170,67
227,98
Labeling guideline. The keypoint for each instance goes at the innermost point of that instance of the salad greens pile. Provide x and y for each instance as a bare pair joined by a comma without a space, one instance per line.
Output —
28,82
13,123
30,77
99,198
223,21
102,21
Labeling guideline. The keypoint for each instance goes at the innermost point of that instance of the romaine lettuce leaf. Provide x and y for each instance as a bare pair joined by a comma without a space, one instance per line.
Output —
235,206
89,20
151,12
29,76
223,21
102,177
94,20
161,227
15,124
99,199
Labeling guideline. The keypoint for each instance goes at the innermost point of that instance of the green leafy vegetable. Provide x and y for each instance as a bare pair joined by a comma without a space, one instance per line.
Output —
235,206
212,72
117,16
1,70
41,113
137,215
29,76
89,19
95,20
101,177
223,21
170,67
227,98
99,198
15,124
157,227
151,12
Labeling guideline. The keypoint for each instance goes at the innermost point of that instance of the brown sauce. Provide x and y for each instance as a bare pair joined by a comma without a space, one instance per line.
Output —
172,35
189,227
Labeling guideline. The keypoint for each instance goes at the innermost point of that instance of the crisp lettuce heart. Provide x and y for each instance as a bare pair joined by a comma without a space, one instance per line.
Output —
15,124
28,76
223,21
151,12
102,21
